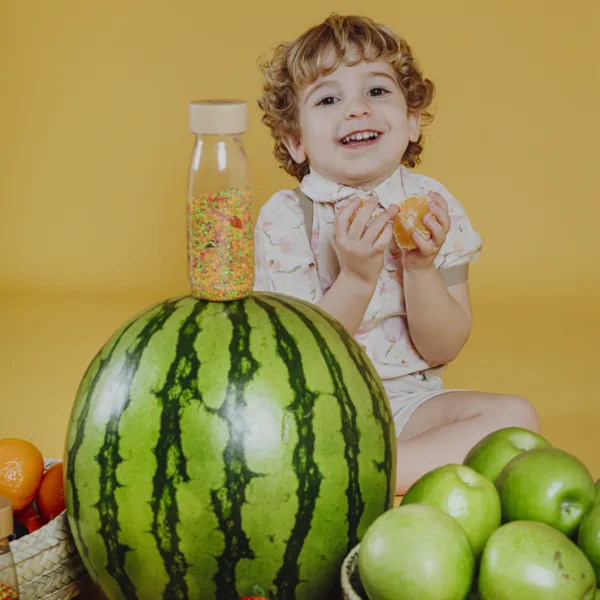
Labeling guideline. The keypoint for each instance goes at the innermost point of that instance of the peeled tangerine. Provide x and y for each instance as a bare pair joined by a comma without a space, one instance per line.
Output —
353,215
410,219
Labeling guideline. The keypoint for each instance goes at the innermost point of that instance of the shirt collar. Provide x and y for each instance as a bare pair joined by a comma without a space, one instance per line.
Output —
320,189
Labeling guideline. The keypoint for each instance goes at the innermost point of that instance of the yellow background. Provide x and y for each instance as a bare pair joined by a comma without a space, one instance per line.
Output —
94,154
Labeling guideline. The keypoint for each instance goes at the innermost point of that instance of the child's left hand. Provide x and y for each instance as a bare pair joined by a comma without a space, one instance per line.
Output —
438,222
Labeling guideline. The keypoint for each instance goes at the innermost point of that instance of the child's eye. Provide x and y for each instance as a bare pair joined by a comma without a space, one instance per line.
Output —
327,101
378,91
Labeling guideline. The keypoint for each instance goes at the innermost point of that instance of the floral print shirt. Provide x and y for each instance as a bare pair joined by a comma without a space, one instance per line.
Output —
285,261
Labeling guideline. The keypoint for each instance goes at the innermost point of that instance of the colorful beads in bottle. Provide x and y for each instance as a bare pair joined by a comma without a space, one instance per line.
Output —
221,245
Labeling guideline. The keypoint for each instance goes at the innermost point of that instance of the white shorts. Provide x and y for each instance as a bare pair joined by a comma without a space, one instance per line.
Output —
407,393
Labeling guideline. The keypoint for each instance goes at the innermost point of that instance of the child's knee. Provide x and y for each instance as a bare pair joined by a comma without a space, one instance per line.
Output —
518,412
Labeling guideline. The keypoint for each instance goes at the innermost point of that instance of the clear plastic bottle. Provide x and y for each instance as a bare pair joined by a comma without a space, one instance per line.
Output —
219,203
9,589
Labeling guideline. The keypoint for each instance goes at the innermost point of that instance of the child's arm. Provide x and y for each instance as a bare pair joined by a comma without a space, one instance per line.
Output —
361,255
347,299
439,318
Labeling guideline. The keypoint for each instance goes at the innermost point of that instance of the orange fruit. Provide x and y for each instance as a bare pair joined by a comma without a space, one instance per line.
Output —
51,495
21,471
410,219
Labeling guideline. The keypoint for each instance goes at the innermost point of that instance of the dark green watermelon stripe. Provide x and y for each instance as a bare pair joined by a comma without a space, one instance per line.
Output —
228,501
305,466
109,458
80,431
381,411
180,388
379,405
349,429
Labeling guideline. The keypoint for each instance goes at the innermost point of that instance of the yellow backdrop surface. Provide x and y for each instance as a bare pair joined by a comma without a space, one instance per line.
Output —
94,154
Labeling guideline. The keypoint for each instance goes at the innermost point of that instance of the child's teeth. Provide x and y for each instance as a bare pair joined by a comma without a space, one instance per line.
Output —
357,137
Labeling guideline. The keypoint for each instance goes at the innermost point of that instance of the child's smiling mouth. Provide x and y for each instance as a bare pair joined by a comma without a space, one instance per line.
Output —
362,138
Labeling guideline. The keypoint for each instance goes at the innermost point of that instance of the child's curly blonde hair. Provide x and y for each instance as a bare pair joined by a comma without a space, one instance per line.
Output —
348,39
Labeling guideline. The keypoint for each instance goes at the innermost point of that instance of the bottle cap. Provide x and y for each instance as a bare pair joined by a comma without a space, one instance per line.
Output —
218,117
6,518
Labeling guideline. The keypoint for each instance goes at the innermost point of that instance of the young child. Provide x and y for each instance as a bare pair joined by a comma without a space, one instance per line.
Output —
345,103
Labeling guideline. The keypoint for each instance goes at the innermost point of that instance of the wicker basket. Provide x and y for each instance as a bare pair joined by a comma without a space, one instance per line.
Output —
47,562
352,588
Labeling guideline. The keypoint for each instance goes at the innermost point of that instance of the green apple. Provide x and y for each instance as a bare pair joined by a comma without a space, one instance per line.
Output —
546,485
490,455
415,551
588,537
524,560
464,494
597,498
597,594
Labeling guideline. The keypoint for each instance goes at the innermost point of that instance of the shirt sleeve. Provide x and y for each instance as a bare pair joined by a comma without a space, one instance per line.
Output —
463,243
283,259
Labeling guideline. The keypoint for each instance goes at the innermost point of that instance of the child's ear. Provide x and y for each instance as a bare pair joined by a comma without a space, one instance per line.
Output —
414,125
295,148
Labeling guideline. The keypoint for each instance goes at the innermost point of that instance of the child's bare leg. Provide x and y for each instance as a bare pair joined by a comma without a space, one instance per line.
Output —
445,428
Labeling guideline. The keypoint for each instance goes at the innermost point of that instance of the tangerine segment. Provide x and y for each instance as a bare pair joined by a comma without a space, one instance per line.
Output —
410,219
353,215
373,216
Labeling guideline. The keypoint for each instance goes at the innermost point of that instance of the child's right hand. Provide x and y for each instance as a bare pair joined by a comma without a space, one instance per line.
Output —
362,248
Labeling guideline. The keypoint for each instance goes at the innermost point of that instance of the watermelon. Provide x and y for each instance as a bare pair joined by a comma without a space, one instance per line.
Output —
214,447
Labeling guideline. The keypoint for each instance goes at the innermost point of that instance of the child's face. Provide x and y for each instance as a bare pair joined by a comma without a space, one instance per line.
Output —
362,99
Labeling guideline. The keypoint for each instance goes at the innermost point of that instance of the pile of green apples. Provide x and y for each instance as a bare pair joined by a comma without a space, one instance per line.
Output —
518,520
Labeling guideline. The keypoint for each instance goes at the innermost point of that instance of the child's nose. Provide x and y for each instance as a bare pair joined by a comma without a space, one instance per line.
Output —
358,107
